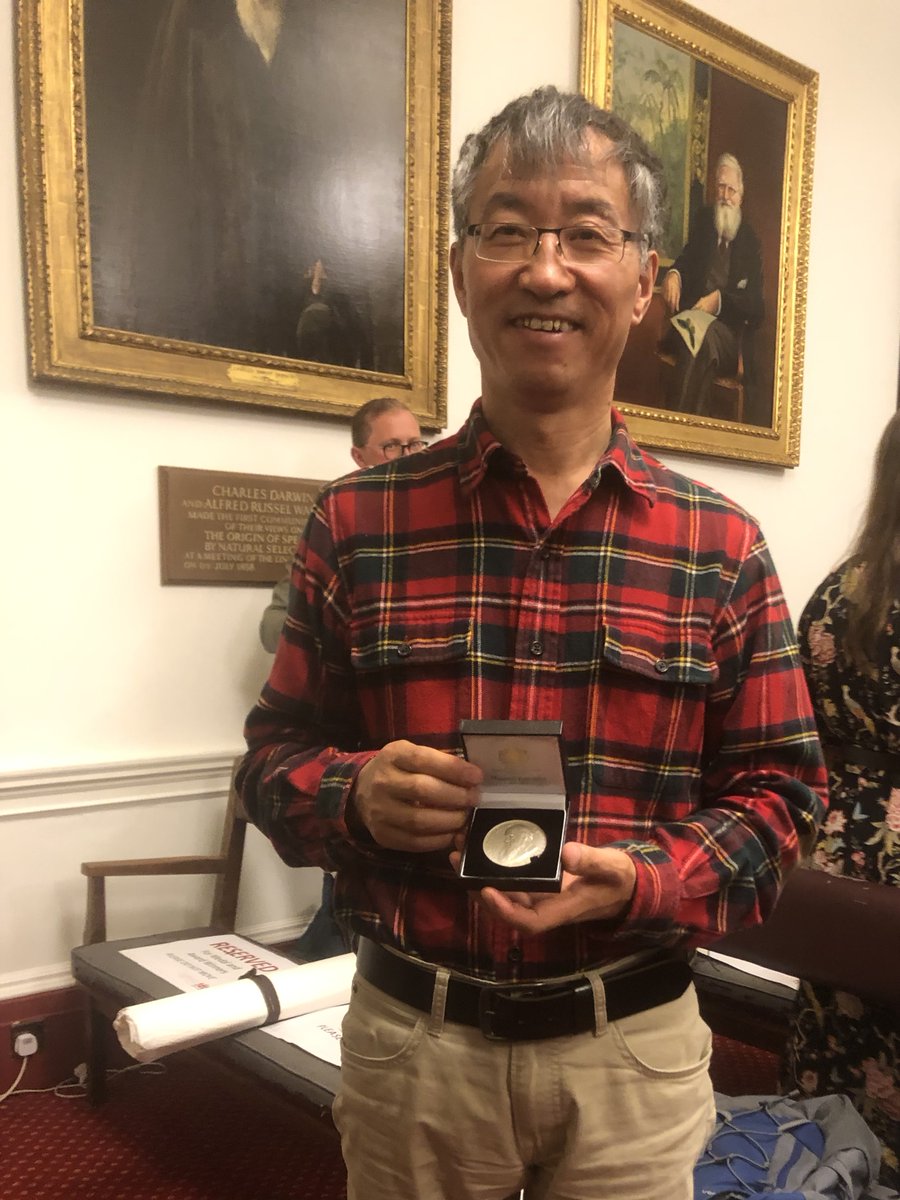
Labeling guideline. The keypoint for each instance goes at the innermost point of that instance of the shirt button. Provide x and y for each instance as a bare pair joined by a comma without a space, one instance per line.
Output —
661,666
537,649
514,954
404,649
546,554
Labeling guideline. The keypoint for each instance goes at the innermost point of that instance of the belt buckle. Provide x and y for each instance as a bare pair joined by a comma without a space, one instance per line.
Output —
487,1011
530,1012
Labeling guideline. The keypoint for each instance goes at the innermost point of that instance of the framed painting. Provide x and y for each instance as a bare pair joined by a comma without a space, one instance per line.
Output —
716,367
224,201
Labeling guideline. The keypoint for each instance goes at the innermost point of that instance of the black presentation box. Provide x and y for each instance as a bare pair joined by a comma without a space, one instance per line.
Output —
517,832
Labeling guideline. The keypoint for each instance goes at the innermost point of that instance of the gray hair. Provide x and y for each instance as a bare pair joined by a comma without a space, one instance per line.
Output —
548,128
728,160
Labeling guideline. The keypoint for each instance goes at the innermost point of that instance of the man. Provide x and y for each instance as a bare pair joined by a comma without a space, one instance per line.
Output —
719,272
382,429
229,178
536,565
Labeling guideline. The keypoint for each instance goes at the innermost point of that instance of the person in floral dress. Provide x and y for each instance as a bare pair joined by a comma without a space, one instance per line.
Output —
849,638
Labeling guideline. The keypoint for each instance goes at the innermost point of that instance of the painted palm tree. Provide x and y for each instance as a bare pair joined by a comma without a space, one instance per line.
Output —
670,83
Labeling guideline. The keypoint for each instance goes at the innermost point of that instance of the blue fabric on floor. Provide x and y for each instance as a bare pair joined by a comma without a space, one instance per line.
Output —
784,1148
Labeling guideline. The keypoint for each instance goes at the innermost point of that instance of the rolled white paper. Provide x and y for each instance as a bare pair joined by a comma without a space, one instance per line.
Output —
158,1027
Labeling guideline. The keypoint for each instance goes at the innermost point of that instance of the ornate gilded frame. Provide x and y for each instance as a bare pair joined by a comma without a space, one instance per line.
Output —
734,69
67,344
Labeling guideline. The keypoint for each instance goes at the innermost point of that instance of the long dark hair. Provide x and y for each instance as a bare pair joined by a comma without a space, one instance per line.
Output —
877,550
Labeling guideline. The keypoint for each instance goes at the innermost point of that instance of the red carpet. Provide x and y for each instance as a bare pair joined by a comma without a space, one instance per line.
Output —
188,1134
193,1134
741,1070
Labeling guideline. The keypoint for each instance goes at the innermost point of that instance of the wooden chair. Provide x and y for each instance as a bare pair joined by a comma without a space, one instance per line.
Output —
729,390
732,388
102,999
226,866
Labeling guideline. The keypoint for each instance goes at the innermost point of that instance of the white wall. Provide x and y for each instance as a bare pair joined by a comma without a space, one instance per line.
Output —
853,305
102,665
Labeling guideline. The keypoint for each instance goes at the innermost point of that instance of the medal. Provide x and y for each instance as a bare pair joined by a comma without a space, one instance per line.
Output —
514,843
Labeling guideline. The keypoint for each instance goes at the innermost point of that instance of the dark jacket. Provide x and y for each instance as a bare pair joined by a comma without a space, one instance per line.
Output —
742,299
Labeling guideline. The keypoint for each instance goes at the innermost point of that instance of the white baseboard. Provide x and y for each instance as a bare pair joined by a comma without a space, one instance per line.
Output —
57,976
275,932
52,978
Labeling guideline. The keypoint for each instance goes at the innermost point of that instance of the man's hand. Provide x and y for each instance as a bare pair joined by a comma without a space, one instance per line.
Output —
710,303
671,292
597,885
415,797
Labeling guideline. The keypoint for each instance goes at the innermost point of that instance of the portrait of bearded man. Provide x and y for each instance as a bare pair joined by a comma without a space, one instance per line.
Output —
719,272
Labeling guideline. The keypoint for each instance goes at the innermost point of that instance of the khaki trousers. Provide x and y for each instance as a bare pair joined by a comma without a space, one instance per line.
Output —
432,1110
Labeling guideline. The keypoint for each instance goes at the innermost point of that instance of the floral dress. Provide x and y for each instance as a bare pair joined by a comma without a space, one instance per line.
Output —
839,1042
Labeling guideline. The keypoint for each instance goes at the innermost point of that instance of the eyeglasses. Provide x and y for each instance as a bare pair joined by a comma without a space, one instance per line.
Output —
586,245
394,448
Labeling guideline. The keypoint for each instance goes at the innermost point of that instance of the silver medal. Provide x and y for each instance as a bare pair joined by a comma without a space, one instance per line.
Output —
515,843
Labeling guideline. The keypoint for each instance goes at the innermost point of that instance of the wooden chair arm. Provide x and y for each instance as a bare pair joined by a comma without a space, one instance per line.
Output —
189,864
98,872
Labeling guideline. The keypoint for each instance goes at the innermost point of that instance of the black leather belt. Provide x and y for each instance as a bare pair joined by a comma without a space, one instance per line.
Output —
524,1012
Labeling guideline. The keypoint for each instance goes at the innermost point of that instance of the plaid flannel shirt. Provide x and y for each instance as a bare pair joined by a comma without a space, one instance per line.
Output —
647,617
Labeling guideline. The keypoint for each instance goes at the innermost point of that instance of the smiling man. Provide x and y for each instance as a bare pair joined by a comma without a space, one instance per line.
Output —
537,565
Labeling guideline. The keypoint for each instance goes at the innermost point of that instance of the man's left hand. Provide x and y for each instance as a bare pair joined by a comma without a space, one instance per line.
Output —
597,885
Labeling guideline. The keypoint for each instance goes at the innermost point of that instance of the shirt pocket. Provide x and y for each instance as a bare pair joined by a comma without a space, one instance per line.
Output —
408,645
674,660
647,735
412,679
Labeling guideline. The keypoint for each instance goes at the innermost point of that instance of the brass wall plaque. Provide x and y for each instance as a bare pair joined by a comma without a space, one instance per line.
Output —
225,527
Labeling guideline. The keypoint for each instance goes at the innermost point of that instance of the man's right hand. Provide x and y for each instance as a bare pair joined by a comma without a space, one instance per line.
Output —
415,798
671,292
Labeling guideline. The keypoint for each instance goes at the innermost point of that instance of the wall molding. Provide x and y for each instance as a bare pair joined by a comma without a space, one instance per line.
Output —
48,790
51,978
43,793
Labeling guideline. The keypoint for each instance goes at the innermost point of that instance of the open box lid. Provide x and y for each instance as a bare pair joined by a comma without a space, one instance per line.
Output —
522,761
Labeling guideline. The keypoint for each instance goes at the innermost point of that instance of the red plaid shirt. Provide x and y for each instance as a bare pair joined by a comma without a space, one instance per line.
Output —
647,617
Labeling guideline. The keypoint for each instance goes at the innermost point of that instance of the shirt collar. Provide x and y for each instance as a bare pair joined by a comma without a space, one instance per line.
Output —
477,447
625,455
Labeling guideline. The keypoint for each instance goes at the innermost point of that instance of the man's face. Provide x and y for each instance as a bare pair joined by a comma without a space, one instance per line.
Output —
545,331
729,194
398,425
729,191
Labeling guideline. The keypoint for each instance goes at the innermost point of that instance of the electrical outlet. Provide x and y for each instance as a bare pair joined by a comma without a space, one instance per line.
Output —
26,1037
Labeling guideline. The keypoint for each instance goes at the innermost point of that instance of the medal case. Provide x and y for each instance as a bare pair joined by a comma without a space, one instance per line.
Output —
517,831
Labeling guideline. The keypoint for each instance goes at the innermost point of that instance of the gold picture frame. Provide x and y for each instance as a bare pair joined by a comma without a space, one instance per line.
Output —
698,89
294,260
